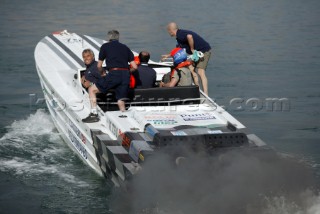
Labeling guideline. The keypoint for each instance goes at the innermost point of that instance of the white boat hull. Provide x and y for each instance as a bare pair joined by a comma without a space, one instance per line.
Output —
117,144
69,132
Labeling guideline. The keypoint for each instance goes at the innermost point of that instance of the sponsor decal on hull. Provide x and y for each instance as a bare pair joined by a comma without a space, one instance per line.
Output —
78,145
198,116
75,141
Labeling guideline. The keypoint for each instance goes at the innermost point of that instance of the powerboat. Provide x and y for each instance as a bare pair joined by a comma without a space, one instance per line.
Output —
156,118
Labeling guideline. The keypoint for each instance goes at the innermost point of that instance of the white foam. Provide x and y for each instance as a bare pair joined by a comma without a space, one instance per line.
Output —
280,205
309,204
72,179
29,168
36,124
315,209
22,166
312,203
32,149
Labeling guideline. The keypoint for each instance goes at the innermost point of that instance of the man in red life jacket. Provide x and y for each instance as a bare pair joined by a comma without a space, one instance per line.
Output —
180,74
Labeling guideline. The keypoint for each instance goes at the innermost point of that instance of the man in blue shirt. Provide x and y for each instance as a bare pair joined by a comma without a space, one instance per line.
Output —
92,74
193,42
145,76
117,57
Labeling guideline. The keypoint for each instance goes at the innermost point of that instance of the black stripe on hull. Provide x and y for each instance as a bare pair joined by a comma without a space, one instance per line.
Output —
60,54
90,42
66,49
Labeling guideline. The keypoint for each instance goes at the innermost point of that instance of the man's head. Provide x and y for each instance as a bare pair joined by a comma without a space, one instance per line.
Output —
172,29
113,35
144,57
88,56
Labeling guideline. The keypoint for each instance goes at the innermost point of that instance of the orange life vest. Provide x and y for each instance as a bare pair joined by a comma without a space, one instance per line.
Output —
181,65
132,83
136,60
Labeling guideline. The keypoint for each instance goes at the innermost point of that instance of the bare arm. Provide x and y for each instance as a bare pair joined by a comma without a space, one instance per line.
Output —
100,67
164,57
85,83
173,82
133,66
191,42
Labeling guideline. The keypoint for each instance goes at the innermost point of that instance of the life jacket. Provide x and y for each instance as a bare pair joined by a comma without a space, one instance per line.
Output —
180,65
136,60
132,83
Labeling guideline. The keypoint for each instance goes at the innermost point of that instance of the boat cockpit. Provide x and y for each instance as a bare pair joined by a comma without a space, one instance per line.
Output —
156,96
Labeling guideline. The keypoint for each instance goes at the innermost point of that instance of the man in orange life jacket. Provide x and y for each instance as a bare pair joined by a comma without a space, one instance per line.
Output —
180,74
117,57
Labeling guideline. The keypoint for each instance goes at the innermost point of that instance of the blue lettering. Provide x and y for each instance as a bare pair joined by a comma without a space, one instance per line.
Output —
78,145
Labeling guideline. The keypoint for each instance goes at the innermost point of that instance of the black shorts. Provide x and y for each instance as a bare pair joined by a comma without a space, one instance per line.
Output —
118,80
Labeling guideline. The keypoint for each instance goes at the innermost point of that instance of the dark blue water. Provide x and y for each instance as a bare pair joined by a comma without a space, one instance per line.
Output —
262,49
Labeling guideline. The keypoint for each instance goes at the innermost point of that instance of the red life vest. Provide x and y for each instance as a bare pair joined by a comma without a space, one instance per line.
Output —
132,83
136,60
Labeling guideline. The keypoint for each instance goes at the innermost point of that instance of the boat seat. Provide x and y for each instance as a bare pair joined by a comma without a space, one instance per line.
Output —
181,95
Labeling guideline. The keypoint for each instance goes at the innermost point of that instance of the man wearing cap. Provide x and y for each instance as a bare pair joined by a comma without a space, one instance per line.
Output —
117,57
192,42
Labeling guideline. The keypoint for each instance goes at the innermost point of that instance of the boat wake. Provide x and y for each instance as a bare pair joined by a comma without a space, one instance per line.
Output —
32,149
230,182
37,164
